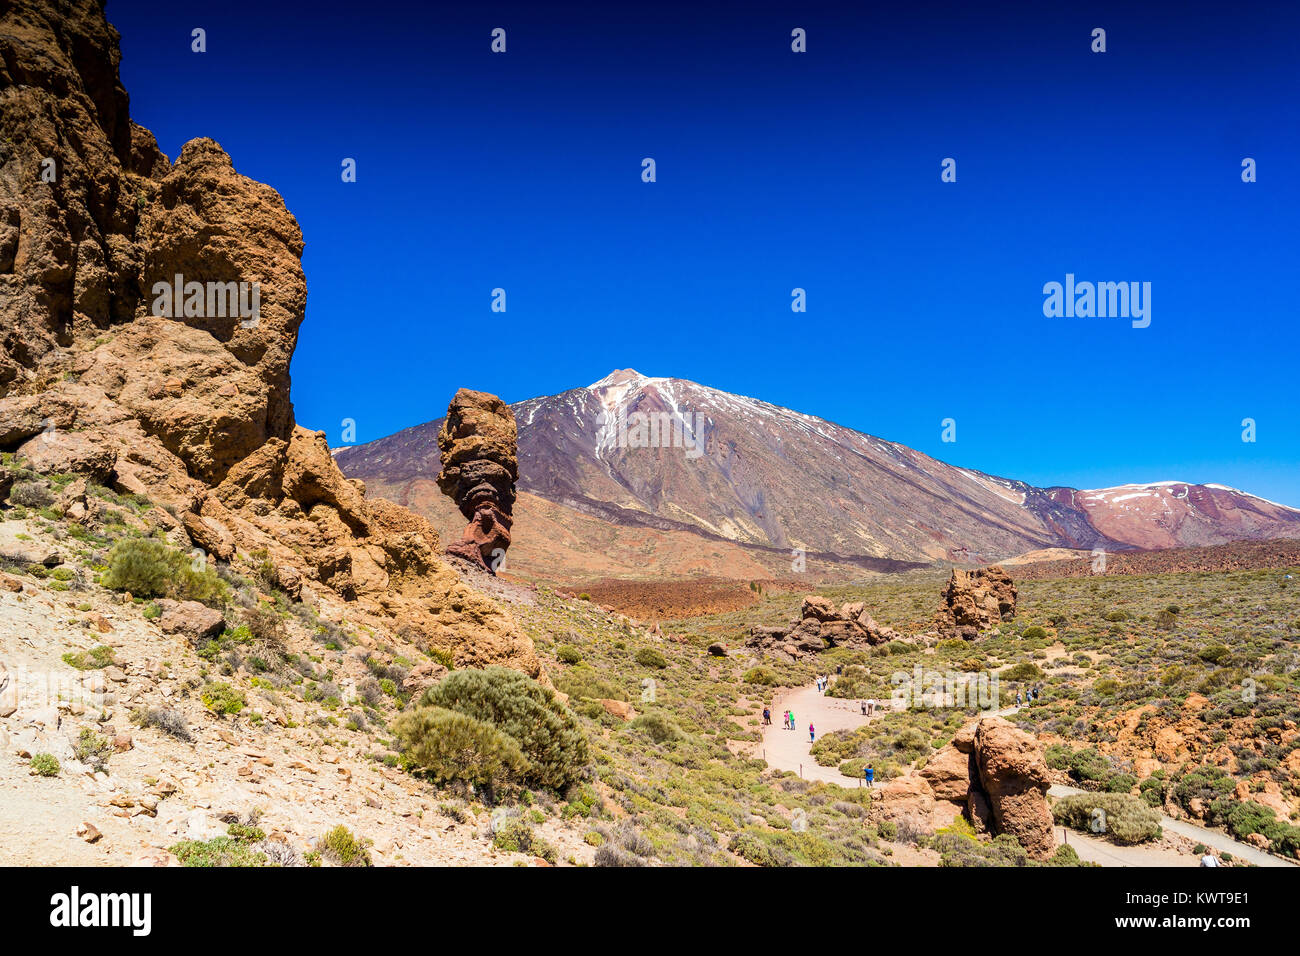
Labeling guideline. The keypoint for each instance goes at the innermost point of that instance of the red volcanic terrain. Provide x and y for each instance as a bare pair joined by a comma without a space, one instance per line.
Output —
1236,556
636,476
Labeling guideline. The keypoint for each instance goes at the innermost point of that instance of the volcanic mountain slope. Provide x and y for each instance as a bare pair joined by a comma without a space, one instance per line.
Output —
770,480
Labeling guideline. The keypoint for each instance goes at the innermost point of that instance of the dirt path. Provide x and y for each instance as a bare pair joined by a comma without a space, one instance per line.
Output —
790,750
1211,838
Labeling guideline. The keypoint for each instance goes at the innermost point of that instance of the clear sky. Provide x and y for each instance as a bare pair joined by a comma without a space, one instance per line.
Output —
778,170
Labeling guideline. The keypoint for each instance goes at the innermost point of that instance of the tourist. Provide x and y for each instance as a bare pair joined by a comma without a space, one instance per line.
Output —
870,774
1209,859
863,705
812,733
767,717
793,725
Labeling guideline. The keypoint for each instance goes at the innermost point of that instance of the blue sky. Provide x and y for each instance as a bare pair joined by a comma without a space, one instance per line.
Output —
778,170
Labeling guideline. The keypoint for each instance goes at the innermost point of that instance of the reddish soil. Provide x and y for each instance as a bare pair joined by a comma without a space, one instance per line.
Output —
657,600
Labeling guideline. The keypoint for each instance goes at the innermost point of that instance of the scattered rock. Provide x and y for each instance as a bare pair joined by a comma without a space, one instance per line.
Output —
822,626
619,708
196,622
89,832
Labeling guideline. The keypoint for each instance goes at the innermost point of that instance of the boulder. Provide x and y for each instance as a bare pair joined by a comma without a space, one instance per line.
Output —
62,452
619,708
977,599
192,620
997,776
1014,777
950,774
821,626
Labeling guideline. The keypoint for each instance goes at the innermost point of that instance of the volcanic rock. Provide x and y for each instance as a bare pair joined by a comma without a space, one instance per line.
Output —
978,599
996,775
101,374
821,626
479,469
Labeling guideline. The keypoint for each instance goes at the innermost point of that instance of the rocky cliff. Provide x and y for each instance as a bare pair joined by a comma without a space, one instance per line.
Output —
150,312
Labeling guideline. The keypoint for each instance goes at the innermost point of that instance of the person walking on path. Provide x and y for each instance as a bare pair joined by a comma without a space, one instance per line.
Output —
793,725
869,772
767,716
863,705
812,733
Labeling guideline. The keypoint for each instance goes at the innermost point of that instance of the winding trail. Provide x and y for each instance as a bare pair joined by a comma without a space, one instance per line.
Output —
790,750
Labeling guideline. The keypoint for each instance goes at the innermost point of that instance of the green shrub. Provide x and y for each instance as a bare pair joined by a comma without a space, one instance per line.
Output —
518,837
657,727
93,659
222,851
1215,654
1088,765
450,746
582,680
568,654
341,848
761,675
1023,671
545,730
1034,632
45,765
649,657
92,749
220,698
148,568
1127,820
1115,616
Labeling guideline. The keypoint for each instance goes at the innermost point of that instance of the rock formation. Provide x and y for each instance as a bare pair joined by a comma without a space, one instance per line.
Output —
821,626
975,600
479,468
103,372
993,774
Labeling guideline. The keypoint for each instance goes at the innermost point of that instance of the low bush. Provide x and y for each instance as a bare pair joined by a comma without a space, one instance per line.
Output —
148,568
341,848
1122,817
450,746
545,730
657,727
93,659
170,722
221,698
649,657
45,765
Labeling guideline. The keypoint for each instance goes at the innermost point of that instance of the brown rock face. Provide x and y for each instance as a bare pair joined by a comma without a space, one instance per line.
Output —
479,468
184,399
821,626
996,775
974,600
